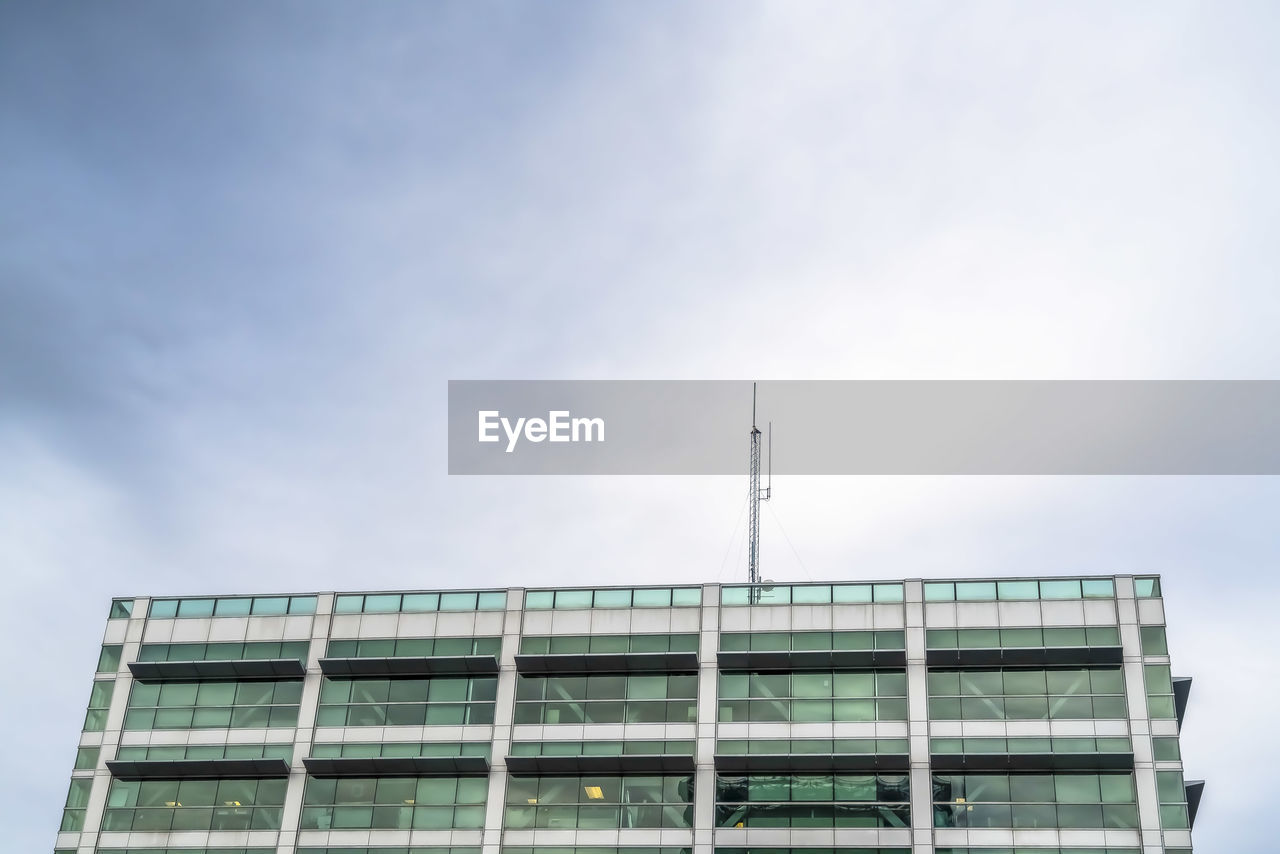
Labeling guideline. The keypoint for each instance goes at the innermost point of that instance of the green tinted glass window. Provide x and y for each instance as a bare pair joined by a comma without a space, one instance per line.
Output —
939,591
1098,588
233,607
86,758
1147,588
1013,590
1165,749
1153,641
851,593
818,594
651,598
95,719
1060,589
109,658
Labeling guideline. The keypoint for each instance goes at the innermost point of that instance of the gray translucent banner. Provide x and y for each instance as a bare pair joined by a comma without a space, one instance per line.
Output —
866,427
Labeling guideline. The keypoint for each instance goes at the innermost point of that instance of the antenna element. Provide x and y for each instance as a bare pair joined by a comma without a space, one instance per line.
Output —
754,496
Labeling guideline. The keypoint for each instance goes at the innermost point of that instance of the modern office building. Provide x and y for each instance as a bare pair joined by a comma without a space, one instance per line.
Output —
902,717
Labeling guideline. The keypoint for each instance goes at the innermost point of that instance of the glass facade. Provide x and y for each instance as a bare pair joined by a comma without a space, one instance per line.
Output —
232,606
366,750
811,594
772,850
812,800
1019,590
1042,850
434,701
810,746
1059,744
258,650
413,647
393,803
167,752
77,800
813,689
109,658
814,696
614,597
1027,694
1173,799
1159,680
791,641
87,758
95,719
602,748
1033,637
392,849
595,644
219,850
606,698
1103,800
417,603
213,705
173,805
599,801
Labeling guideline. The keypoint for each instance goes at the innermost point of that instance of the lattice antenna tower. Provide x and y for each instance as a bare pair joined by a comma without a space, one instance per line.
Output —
755,495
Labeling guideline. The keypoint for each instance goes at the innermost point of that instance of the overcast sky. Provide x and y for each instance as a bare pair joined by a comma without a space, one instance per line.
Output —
243,247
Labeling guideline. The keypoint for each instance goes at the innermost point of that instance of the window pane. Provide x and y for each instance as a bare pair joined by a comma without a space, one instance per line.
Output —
887,592
420,602
270,605
458,601
195,608
492,600
851,593
1146,587
539,600
1060,589
100,694
1102,636
232,607
109,659
302,604
1159,680
686,596
1018,589
1098,588
1077,789
1153,641
1021,637
939,591
1117,788
1064,637
162,609
660,598
348,605
573,598
815,595
383,603
1169,785
1166,749
771,594
975,591
613,598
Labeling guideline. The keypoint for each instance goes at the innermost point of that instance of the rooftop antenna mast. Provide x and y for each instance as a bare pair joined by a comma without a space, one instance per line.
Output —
755,495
